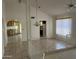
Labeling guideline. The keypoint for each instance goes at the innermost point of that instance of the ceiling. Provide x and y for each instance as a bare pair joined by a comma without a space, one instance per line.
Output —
53,7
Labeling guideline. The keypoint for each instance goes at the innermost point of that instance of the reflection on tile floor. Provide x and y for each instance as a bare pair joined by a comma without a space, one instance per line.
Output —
33,48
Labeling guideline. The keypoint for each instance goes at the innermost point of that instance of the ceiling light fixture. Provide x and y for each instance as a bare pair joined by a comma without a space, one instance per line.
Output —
71,6
37,23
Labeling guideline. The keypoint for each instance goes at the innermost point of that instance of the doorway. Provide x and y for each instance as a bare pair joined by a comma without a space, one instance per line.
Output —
14,32
43,29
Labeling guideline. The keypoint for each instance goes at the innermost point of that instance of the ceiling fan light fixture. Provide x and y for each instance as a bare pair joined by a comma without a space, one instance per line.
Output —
71,5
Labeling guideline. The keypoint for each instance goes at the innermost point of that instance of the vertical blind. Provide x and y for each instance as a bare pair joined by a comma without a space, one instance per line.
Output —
63,27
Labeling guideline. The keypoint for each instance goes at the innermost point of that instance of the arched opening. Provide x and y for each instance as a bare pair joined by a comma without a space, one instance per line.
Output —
13,28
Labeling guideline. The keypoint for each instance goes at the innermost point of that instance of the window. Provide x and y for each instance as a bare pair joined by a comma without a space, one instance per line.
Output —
63,27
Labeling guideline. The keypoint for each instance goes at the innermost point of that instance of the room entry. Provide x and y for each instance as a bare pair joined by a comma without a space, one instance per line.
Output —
43,29
14,31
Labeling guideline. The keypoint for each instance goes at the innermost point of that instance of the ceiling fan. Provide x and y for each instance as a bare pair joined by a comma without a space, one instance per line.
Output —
71,4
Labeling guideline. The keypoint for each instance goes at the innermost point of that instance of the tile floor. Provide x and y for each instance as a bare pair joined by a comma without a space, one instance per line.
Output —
34,49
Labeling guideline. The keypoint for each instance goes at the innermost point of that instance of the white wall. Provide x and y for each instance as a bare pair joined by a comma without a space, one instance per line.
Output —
4,38
17,11
35,31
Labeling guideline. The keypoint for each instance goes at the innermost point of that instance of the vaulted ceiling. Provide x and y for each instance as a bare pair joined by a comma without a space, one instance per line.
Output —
52,7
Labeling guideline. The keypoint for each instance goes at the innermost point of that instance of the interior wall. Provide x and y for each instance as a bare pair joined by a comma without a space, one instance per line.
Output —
54,26
3,22
4,33
16,10
41,16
